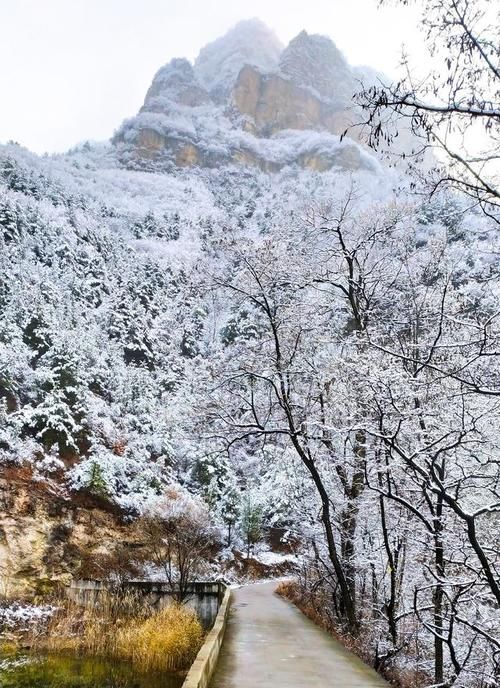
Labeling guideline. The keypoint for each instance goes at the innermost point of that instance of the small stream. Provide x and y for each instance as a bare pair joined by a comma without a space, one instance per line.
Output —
64,671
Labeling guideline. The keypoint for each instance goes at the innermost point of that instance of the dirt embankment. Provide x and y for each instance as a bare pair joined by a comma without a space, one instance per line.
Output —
48,537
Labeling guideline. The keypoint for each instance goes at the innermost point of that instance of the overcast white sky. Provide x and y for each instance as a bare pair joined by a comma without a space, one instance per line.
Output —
72,70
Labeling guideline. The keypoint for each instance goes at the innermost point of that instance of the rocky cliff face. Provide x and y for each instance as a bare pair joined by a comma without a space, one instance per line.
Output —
271,103
248,101
315,63
175,84
46,538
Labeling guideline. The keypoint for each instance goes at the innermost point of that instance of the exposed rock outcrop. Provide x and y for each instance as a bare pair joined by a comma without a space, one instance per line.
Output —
272,103
315,63
175,84
244,102
44,537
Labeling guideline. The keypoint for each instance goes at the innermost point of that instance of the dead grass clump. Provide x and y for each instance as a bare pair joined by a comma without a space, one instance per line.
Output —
407,678
123,626
90,628
288,589
170,639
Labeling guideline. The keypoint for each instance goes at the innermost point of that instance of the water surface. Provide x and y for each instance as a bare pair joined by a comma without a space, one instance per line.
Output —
62,671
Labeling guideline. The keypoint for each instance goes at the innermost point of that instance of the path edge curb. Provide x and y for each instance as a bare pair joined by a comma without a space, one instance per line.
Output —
203,667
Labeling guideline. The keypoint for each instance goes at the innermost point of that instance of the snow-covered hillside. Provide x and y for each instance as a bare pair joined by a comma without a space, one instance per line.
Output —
121,255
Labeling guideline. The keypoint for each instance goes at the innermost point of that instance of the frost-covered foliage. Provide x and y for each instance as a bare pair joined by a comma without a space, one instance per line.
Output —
88,351
181,536
104,316
360,381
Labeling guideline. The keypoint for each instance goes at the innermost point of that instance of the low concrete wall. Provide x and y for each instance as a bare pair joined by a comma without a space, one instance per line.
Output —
203,667
204,598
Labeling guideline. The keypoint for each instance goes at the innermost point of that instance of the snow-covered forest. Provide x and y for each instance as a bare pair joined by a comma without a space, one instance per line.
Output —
309,349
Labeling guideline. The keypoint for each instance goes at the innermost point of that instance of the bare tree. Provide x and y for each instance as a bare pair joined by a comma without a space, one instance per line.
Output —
179,540
455,110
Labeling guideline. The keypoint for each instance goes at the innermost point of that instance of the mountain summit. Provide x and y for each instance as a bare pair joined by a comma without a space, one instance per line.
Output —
250,42
314,62
248,100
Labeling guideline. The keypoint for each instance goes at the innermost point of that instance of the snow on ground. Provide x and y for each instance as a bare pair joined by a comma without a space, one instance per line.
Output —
269,558
12,663
21,616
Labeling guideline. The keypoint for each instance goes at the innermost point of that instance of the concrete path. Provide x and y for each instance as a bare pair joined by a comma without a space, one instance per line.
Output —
271,644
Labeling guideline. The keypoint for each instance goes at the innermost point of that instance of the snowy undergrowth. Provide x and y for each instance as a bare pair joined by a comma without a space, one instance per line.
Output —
22,616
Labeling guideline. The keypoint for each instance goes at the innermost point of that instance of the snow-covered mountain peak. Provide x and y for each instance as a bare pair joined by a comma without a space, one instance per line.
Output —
314,61
249,101
175,82
250,42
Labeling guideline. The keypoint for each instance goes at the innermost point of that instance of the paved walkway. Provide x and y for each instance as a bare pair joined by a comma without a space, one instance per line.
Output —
271,644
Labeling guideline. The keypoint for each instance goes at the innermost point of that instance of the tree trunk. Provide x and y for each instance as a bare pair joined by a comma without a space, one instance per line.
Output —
438,594
348,604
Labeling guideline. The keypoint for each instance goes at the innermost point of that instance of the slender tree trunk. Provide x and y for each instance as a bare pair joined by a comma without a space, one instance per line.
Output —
391,603
438,594
348,604
350,513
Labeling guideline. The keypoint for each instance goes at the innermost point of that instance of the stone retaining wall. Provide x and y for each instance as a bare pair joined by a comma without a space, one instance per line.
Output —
204,597
203,667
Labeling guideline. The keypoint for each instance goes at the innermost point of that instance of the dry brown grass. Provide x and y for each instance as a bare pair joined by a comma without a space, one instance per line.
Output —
407,678
122,626
170,639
